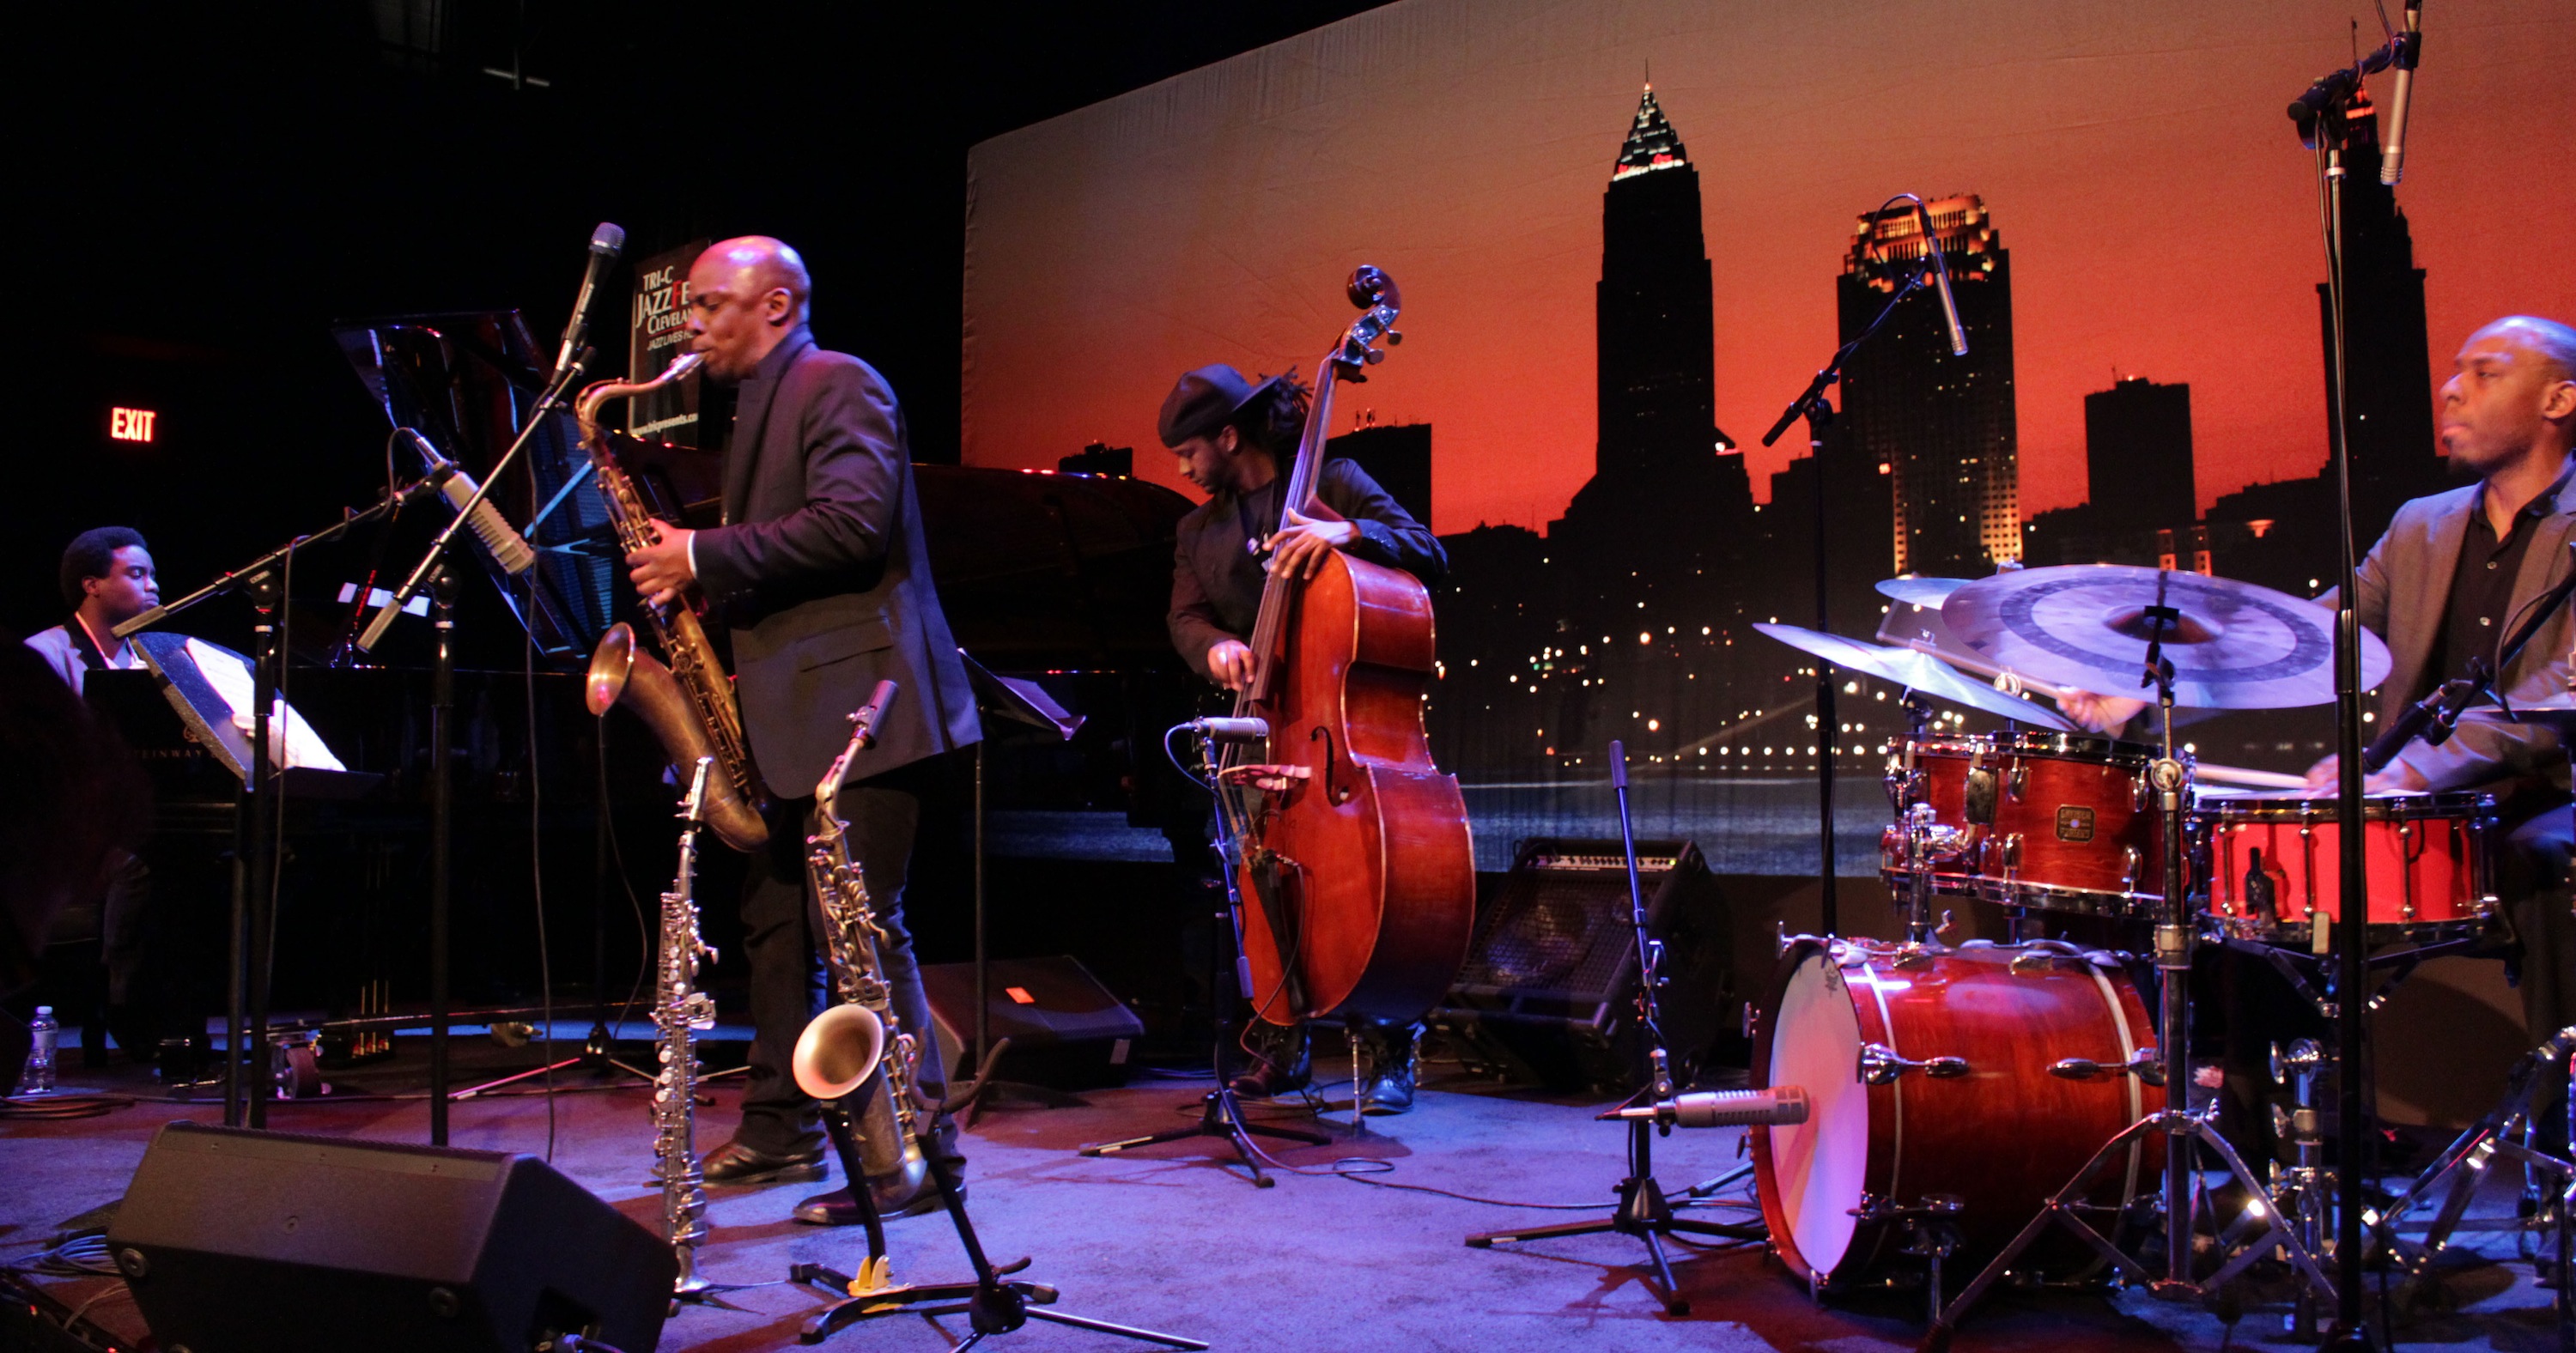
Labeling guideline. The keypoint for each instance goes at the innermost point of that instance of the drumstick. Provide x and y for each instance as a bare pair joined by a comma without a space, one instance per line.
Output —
1980,667
2252,779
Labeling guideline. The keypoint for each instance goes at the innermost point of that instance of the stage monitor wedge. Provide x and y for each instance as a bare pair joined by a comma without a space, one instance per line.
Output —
236,1241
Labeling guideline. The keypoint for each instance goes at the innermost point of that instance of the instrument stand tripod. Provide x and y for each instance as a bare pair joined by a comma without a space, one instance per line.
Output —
1221,1112
1643,1211
2506,1133
994,1303
2177,935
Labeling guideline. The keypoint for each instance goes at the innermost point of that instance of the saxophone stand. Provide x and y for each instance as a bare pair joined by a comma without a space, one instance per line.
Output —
1221,1112
994,1303
2262,1227
1643,1211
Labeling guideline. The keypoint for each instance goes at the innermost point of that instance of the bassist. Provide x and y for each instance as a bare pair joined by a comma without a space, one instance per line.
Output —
1233,437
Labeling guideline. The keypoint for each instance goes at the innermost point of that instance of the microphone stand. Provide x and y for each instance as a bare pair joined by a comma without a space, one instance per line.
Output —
252,924
1643,1211
1818,411
2322,117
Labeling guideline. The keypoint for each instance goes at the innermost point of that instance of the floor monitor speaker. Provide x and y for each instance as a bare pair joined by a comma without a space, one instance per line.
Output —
235,1241
1066,1030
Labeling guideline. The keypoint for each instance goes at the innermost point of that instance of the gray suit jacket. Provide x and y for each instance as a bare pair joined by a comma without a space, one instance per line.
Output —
2404,594
821,572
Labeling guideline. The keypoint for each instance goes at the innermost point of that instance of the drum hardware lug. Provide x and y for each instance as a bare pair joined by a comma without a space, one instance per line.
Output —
2173,946
2142,1064
2040,956
1879,1065
2130,859
2017,779
1977,797
2142,795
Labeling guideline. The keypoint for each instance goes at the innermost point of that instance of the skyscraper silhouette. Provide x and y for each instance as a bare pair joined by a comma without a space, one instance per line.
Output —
1945,425
2388,363
2137,457
1660,465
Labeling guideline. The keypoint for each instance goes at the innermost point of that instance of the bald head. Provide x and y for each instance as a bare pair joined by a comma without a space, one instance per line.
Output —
746,295
2554,342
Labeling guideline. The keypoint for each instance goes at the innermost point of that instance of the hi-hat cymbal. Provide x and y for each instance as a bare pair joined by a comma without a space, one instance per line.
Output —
1928,593
2233,645
1919,671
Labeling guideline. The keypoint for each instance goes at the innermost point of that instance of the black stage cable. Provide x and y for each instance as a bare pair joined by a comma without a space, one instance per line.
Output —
80,1256
537,866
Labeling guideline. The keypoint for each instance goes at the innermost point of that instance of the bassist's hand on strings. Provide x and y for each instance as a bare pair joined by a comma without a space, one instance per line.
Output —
1303,543
1229,663
661,571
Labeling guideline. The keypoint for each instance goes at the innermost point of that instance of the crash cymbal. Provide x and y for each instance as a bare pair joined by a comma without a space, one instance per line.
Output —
1928,593
2233,645
1917,671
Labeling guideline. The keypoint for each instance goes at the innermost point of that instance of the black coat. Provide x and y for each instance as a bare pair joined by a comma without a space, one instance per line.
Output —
822,573
1216,581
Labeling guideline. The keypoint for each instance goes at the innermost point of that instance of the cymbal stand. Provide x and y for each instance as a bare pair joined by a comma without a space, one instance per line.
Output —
2506,1132
1221,1112
1642,1211
2262,1227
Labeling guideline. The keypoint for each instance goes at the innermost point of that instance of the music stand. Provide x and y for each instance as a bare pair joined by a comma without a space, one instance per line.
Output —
1023,702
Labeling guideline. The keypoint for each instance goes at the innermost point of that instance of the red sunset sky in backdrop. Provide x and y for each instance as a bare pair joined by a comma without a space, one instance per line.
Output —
2161,214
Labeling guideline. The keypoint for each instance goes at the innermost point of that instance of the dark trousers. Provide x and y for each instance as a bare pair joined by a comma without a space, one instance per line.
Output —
784,939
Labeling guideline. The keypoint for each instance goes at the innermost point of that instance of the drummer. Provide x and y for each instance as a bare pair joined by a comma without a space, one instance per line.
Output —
2455,574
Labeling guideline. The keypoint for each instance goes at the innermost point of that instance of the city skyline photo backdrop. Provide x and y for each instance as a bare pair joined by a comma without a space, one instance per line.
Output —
1627,233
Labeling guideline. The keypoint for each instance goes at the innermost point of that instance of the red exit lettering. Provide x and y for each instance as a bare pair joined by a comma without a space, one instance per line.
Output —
131,425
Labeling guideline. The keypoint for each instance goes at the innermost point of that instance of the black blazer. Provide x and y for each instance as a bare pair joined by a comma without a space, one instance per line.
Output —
822,573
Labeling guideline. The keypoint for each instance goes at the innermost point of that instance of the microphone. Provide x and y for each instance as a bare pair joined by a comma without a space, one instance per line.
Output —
509,549
1941,279
605,244
1231,730
2409,50
1778,1106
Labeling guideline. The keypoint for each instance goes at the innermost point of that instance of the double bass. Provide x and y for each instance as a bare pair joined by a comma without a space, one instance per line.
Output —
1351,848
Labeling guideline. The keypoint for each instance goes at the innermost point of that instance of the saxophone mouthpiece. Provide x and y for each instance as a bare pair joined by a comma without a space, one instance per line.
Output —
688,362
863,720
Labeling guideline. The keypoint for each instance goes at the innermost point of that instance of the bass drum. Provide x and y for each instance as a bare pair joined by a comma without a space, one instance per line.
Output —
1944,1079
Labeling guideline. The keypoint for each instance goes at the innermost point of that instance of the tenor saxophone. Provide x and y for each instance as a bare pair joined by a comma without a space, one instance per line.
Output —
689,704
679,1011
860,1032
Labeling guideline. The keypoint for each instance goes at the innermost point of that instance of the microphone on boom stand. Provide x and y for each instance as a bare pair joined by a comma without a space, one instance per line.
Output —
2407,48
1941,279
509,549
606,242
1776,1106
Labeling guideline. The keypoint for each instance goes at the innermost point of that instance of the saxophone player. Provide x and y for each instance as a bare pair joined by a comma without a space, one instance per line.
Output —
821,573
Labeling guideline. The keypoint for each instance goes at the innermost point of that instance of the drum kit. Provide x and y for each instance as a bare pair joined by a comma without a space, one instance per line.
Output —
2006,1103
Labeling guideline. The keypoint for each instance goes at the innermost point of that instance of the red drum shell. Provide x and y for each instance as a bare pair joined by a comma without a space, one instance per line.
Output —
2001,1139
2075,828
2425,856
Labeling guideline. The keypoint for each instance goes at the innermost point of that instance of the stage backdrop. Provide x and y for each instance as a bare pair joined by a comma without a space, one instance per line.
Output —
2130,209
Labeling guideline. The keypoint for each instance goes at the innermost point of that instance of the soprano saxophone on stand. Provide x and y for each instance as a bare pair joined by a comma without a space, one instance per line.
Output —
679,1011
689,704
860,1032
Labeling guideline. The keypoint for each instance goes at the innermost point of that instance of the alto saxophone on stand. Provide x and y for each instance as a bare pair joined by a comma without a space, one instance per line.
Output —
860,1033
689,704
679,1011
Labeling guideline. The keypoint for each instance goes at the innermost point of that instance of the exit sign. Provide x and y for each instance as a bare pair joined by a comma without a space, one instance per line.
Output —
131,425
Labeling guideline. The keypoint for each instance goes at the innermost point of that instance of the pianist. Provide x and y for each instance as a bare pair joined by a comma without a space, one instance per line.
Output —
107,580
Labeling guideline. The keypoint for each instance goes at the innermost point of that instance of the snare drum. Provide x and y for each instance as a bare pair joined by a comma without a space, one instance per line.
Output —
1963,1086
2426,858
2033,819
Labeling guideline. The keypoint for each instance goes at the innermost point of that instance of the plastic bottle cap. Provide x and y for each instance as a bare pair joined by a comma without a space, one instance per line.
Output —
43,1010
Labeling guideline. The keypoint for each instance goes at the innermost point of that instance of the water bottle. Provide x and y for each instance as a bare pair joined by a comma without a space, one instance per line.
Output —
39,1077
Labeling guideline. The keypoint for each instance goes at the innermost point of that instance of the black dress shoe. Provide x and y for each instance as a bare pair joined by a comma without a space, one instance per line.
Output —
894,1199
735,1163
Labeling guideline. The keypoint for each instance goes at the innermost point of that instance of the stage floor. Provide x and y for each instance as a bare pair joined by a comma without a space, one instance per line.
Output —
1170,1239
